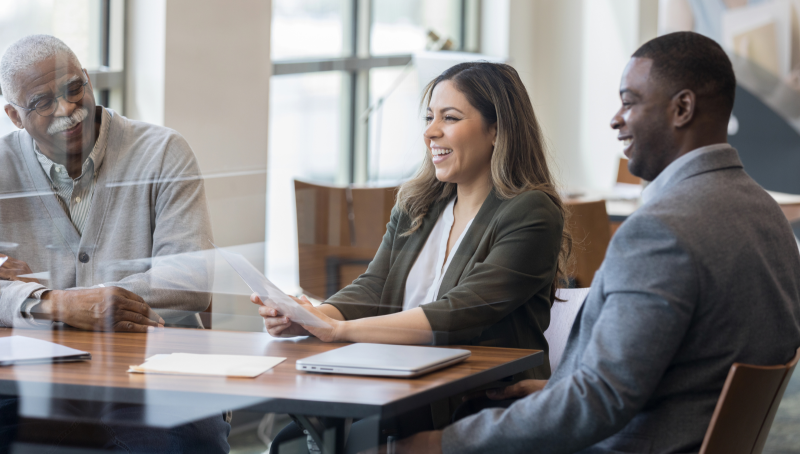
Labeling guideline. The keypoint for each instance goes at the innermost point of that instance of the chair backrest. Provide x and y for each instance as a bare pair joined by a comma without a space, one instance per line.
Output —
624,175
746,408
591,233
562,316
339,230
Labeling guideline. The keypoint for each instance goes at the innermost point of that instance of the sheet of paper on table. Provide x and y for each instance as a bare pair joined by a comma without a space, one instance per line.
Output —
268,291
197,364
16,350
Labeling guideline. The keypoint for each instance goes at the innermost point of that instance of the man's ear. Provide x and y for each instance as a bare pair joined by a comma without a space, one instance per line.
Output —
684,104
13,114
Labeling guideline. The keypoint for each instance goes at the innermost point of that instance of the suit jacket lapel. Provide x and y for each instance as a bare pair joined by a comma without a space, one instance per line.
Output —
406,256
44,188
469,244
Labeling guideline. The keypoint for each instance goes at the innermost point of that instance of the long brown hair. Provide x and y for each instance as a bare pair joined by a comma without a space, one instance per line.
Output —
518,163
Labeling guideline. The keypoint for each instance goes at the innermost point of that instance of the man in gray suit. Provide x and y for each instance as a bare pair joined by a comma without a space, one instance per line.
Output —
704,274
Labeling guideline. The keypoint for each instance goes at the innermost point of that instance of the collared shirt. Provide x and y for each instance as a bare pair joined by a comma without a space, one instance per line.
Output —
656,187
425,277
75,196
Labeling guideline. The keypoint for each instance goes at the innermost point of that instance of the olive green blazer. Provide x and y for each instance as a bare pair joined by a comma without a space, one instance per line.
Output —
496,291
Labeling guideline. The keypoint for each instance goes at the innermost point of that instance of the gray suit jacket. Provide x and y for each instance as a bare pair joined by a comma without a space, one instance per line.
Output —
704,275
145,228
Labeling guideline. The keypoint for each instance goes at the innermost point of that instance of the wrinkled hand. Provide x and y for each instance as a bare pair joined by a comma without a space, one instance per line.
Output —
12,268
518,390
279,325
101,309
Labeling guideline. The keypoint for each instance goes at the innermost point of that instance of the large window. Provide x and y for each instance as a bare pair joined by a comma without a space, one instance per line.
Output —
93,29
344,99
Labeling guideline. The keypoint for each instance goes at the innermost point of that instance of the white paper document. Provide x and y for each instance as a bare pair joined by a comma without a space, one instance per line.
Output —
27,350
197,364
268,291
3,260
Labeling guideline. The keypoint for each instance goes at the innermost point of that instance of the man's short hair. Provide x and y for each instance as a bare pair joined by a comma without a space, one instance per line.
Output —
23,54
687,60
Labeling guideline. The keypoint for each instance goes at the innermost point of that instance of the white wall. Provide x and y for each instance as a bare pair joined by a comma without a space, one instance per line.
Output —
144,60
203,69
570,55
217,95
611,33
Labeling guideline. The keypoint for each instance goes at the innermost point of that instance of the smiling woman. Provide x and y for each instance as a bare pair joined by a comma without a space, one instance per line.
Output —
476,244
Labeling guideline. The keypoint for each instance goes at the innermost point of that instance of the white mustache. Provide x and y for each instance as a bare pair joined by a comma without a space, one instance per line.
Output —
60,124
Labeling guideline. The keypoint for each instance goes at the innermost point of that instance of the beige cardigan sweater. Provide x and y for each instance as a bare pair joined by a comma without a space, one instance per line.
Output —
147,223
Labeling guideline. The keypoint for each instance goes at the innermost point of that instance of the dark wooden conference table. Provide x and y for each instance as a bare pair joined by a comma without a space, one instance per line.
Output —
281,390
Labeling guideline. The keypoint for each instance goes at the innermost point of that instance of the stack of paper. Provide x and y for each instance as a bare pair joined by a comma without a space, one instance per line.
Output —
195,364
27,350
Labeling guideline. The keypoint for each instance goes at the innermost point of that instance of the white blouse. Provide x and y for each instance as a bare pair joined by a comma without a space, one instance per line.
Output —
425,277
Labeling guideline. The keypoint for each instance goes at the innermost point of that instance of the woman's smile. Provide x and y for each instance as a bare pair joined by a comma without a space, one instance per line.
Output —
439,154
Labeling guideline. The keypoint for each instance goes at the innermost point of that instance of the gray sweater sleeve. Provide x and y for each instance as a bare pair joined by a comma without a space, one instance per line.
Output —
648,306
12,296
178,278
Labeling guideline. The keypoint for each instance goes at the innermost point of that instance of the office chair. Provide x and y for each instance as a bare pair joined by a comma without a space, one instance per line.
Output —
339,230
746,408
591,233
562,317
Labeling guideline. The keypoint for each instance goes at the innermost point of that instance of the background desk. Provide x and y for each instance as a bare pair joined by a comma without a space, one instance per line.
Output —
281,390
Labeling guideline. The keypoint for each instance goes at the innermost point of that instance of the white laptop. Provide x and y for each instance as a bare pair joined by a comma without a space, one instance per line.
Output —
382,360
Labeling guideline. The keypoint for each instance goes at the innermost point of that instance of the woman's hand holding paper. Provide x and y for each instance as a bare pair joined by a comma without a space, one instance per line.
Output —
279,325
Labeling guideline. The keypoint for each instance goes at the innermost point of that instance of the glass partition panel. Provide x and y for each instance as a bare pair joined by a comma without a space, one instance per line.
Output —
304,143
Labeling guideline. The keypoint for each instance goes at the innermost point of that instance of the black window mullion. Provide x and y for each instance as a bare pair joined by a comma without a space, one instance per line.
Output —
105,44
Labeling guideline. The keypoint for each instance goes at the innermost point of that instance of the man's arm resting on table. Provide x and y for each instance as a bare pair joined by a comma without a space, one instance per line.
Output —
97,309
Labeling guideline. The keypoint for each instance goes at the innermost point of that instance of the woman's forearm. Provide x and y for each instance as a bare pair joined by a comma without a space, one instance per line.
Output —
407,327
331,311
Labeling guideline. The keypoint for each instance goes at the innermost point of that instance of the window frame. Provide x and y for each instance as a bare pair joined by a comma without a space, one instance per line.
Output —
357,31
107,83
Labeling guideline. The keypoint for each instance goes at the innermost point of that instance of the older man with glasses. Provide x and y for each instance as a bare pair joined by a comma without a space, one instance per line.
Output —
114,209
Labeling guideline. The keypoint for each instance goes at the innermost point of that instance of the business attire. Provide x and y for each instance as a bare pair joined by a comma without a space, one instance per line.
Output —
494,289
703,275
136,218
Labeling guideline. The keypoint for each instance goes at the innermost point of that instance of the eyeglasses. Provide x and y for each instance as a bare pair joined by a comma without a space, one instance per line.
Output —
47,105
